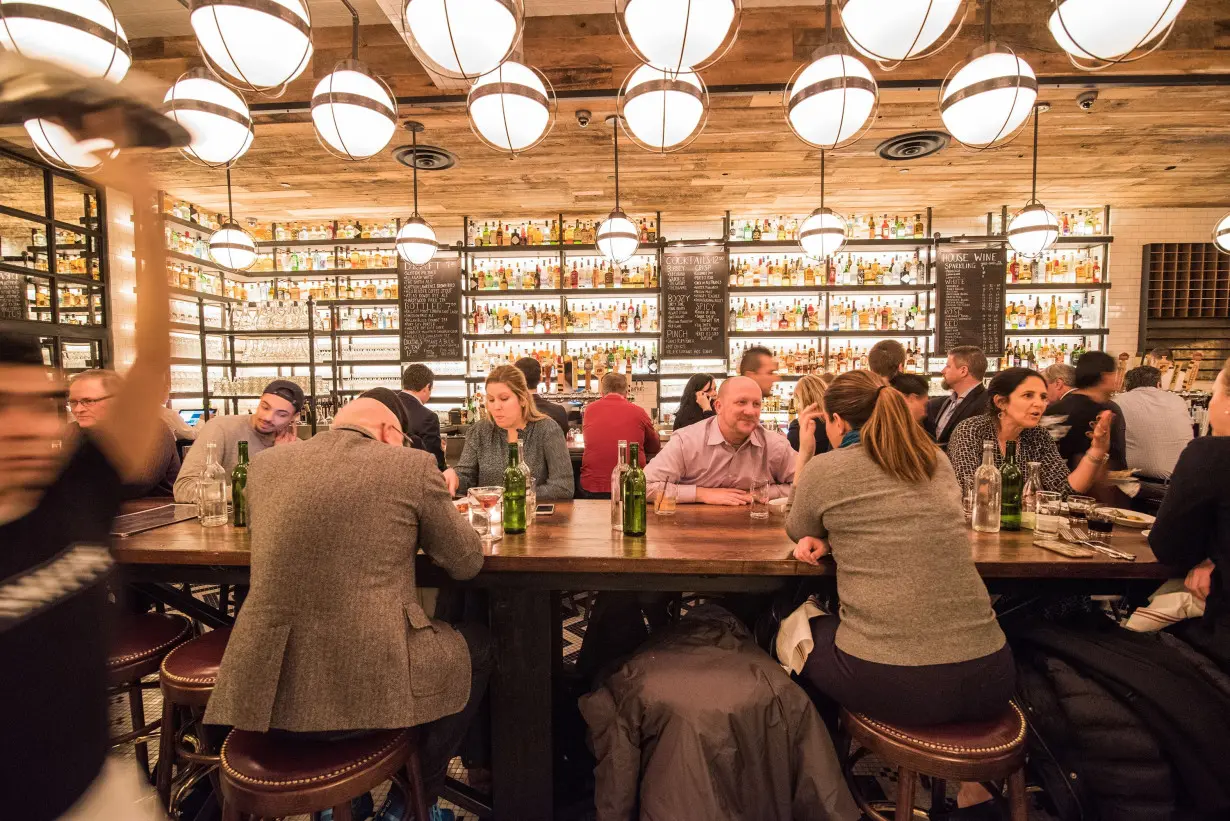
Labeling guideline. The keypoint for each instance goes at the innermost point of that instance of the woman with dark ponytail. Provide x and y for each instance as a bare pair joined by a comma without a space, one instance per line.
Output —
916,641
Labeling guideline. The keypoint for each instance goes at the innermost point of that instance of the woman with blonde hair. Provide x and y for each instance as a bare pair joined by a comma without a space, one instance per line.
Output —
916,641
806,433
512,416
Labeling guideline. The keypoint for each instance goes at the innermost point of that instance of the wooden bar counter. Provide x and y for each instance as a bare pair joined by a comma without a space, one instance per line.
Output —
699,548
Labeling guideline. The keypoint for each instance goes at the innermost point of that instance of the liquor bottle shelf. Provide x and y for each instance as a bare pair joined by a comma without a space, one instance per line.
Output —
1048,332
395,363
792,246
191,294
329,243
916,334
201,263
324,273
183,223
374,332
572,293
830,289
341,303
585,335
1044,287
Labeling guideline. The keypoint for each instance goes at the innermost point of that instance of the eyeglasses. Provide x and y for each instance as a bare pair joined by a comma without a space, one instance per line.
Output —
86,404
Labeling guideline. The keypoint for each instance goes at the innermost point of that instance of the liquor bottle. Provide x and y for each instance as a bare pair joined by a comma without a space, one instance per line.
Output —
211,494
1011,484
514,492
617,484
987,492
632,494
239,487
918,226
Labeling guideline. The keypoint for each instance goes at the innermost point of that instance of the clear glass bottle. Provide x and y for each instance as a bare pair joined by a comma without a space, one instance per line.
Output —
212,492
617,481
987,492
1029,494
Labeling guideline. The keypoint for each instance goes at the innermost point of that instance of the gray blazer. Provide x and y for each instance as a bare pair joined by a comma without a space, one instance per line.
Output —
332,636
543,448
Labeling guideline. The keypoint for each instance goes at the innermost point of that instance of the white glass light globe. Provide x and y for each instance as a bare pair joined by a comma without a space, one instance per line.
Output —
989,98
897,31
58,147
232,247
416,241
1032,230
1108,31
617,237
82,35
251,47
1221,234
831,100
822,234
353,112
463,39
511,108
216,117
663,111
677,34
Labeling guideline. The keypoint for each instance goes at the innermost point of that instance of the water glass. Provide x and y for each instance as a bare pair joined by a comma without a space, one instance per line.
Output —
760,498
531,500
1050,513
667,499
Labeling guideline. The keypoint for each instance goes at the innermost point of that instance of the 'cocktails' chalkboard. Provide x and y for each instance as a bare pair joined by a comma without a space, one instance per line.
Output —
430,298
970,298
694,301
12,296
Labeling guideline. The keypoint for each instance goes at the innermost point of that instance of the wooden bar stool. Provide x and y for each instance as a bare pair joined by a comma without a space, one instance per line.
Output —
187,677
980,751
141,642
266,776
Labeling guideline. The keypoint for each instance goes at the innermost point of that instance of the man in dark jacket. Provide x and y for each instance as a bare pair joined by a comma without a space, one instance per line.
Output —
963,374
416,384
532,371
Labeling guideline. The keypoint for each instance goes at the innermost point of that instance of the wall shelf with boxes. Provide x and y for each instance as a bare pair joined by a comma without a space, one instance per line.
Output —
1185,291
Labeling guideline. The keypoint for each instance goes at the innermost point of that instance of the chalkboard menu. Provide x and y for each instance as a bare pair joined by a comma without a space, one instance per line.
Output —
431,310
12,296
694,301
970,298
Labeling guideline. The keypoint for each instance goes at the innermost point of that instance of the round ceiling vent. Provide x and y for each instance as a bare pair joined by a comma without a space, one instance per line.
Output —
912,146
425,157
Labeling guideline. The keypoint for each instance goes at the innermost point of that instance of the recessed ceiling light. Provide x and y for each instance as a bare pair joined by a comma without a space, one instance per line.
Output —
903,170
284,184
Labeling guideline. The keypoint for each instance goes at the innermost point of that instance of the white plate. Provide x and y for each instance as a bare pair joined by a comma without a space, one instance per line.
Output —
1130,518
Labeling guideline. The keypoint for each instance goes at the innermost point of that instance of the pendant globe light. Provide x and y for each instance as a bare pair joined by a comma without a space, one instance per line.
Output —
663,111
463,39
82,35
231,246
1097,34
823,233
512,108
678,35
1033,229
416,241
986,99
1221,234
902,30
353,110
55,144
832,100
617,237
255,45
216,117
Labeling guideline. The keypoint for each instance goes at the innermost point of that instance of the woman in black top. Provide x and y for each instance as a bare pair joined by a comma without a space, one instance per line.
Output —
809,393
1192,530
697,402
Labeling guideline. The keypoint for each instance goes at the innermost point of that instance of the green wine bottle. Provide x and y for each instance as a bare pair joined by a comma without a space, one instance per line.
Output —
239,487
514,492
633,494
1012,482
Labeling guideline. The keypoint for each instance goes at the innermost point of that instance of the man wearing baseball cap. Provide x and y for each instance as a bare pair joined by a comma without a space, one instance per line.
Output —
272,424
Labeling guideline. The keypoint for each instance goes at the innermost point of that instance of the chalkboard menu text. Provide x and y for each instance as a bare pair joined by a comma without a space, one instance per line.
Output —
12,296
431,310
694,302
970,298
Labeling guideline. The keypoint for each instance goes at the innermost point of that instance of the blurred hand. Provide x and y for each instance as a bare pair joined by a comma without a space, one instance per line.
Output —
728,496
702,399
287,436
1101,434
809,418
451,481
1200,579
811,550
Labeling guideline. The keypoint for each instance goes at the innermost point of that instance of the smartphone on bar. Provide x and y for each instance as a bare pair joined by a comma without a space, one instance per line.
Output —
544,510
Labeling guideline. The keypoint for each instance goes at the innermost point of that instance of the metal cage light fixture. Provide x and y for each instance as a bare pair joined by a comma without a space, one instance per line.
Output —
823,233
831,101
679,35
663,111
1033,229
617,237
353,110
254,45
1221,234
463,39
231,246
1097,34
512,108
910,30
56,144
216,117
416,240
986,99
82,35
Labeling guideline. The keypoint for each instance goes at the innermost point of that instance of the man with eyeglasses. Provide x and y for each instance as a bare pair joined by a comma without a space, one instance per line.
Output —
90,395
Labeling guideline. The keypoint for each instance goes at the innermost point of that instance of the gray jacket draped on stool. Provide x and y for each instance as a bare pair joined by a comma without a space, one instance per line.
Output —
332,635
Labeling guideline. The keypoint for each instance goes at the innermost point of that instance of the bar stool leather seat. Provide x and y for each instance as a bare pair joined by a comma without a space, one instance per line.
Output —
141,641
979,751
189,672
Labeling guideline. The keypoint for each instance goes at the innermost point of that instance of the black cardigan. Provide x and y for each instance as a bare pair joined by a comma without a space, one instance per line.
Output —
689,415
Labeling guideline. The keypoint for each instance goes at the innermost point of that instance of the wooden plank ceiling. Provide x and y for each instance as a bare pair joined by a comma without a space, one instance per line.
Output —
1139,146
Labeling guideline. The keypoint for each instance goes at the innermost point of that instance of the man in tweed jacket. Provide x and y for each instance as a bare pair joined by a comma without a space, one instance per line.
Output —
332,637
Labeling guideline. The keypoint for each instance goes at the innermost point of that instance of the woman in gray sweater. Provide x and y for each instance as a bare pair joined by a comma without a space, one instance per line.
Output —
512,415
916,641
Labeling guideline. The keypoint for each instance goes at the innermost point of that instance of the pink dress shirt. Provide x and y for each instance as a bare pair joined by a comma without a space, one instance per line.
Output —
700,456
